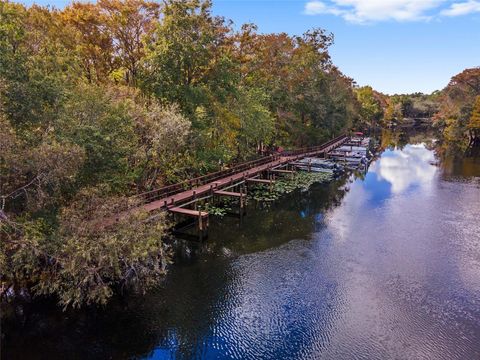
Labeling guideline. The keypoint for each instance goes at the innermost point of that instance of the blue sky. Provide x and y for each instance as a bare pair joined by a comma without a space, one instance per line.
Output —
396,46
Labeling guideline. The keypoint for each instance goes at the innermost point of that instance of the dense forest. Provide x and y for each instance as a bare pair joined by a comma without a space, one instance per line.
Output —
101,101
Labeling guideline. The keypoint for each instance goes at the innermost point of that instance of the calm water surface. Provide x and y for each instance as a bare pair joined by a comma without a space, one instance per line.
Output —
382,266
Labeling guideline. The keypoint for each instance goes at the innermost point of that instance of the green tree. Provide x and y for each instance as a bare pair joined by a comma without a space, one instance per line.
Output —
257,125
164,148
370,109
187,63
93,44
38,69
455,108
80,263
473,125
127,23
97,119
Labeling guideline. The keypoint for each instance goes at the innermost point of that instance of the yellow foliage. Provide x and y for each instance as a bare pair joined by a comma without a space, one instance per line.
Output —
474,123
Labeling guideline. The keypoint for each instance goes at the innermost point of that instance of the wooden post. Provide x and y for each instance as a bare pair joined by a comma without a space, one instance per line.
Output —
200,231
241,203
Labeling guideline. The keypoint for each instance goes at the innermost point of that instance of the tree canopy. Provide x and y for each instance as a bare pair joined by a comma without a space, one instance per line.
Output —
100,101
457,117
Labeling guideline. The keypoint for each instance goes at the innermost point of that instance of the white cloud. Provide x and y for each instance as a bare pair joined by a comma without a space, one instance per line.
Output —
463,8
318,7
410,166
366,11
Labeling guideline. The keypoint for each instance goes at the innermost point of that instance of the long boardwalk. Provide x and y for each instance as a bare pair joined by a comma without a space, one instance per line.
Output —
173,200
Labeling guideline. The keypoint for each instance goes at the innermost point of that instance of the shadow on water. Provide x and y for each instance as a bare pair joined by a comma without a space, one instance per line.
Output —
385,265
130,327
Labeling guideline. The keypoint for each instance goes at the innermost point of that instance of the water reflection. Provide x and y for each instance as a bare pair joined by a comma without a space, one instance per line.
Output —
406,168
377,268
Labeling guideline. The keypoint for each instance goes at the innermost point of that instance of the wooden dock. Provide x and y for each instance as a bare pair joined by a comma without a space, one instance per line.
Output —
172,198
260,181
229,193
281,171
188,212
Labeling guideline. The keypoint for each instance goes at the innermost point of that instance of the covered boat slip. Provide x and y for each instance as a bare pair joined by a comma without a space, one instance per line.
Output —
317,165
316,162
359,141
345,154
350,161
354,154
353,149
314,169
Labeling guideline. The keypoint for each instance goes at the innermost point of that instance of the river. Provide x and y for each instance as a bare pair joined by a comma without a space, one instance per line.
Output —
384,265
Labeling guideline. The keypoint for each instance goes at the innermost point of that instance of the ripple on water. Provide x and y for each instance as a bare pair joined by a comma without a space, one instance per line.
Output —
392,271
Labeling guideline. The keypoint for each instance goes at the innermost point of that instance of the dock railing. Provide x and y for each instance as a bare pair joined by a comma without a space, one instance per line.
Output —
169,190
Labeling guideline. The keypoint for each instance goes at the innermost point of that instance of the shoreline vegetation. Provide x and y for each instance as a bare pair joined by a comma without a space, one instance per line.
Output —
101,101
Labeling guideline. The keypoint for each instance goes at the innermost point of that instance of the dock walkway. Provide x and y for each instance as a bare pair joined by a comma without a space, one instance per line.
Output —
172,197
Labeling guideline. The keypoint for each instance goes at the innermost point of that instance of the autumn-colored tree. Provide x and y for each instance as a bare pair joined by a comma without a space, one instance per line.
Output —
370,109
468,79
310,98
187,60
101,101
473,125
457,101
93,41
245,49
389,114
128,23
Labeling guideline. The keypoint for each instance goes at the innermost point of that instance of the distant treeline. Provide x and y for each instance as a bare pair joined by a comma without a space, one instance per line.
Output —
453,111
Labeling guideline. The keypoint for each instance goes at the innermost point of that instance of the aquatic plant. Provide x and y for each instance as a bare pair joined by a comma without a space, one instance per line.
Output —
300,180
216,210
